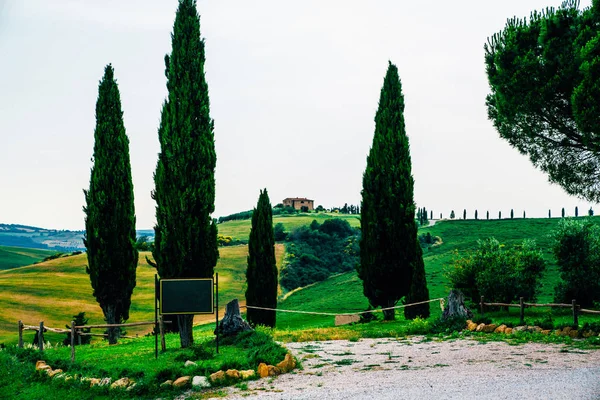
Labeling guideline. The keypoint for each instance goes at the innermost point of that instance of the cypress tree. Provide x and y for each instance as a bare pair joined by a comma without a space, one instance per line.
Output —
261,274
186,235
563,212
512,213
465,213
549,214
523,214
499,214
476,216
576,212
390,254
487,214
452,214
109,212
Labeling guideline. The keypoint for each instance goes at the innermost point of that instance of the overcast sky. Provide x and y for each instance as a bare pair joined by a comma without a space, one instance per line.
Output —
293,87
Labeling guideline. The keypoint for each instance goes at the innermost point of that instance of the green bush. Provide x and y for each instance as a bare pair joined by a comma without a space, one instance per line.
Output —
455,324
498,274
577,251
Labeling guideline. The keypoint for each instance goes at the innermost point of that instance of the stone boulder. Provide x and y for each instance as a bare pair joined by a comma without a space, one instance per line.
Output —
471,325
479,328
233,323
263,370
233,374
189,363
287,364
94,382
247,374
500,329
200,382
166,383
121,383
217,376
53,372
489,328
573,333
508,331
545,332
273,370
182,381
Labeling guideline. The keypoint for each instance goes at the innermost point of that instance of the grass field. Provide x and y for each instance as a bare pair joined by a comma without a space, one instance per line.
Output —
241,229
56,290
343,293
13,257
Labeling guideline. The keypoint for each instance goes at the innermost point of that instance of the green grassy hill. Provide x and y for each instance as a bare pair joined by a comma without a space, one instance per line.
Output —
56,290
343,293
53,291
13,257
241,229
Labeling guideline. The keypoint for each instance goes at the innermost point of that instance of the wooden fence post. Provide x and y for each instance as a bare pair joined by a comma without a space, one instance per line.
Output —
72,341
20,334
481,305
575,318
163,345
522,316
41,337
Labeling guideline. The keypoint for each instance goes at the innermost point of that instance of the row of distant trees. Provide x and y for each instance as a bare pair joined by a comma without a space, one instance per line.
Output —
512,214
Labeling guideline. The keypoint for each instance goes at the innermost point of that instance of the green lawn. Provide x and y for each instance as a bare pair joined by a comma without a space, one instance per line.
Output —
13,257
241,229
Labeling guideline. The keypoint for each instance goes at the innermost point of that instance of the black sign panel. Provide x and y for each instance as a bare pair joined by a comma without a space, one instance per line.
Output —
186,296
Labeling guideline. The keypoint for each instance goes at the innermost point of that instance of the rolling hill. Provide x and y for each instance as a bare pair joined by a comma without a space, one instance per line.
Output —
13,257
53,291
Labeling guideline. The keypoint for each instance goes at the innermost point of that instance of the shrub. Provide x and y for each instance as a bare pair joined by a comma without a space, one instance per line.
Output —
279,232
497,274
79,320
577,251
454,324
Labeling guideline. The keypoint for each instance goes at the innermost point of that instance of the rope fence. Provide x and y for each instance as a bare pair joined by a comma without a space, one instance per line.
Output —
441,300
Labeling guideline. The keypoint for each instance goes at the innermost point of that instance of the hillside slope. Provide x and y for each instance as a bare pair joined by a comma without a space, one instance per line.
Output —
56,290
240,230
344,293
13,257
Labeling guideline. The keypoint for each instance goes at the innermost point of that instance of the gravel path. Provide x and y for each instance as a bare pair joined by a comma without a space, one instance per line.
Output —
417,369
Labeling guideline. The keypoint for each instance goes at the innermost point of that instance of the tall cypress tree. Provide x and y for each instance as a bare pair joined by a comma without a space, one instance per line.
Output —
389,249
109,212
261,274
186,235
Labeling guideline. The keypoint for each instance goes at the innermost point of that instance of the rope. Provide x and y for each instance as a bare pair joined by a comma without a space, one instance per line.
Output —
441,300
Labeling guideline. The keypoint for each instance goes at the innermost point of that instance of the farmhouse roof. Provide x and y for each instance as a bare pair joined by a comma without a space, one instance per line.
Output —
297,198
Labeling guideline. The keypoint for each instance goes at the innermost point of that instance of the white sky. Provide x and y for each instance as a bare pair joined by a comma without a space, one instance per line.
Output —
293,86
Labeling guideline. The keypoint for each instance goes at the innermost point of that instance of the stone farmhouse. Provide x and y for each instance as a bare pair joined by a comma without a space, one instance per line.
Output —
299,202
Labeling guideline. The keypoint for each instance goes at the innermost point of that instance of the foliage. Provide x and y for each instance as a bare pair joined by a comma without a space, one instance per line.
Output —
236,217
389,249
186,236
577,251
545,82
279,232
109,212
452,215
449,325
316,252
498,274
261,274
143,243
79,320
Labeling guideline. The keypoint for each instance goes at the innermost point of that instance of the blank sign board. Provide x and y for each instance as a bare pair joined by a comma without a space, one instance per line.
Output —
186,296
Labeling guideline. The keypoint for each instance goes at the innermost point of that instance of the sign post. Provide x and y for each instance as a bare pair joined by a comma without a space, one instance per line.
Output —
186,296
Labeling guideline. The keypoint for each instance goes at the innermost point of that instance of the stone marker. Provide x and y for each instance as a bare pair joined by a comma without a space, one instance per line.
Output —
346,319
233,323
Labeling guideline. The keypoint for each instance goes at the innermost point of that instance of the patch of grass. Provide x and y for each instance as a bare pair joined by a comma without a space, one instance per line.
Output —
14,257
345,361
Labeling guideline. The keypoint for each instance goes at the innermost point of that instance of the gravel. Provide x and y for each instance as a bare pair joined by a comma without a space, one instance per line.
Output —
416,368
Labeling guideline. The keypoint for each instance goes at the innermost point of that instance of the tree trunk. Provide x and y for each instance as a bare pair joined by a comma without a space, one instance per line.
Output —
186,334
456,306
389,315
233,323
113,333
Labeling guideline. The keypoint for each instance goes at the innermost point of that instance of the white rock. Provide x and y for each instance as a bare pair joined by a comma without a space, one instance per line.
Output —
200,382
189,363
